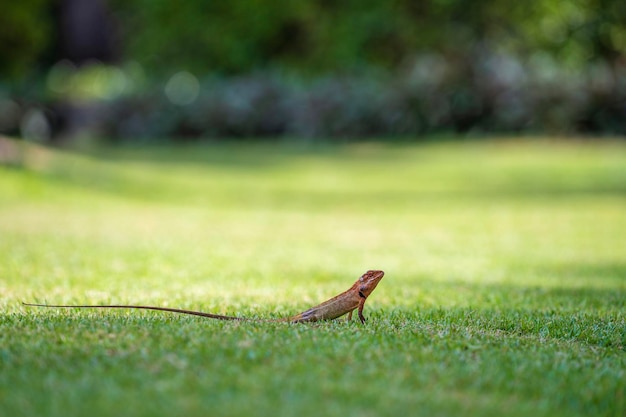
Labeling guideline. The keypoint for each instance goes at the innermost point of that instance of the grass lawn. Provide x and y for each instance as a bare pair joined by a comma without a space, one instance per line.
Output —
504,294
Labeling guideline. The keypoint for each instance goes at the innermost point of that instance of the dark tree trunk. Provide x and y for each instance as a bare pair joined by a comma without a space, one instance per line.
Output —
85,31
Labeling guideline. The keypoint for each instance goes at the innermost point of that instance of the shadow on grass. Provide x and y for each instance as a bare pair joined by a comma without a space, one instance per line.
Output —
432,176
576,272
594,294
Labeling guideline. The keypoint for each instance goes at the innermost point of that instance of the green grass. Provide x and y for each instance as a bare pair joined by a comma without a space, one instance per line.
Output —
504,294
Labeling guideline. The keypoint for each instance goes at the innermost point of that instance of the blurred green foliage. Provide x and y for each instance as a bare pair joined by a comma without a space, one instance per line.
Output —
323,36
318,68
320,36
25,33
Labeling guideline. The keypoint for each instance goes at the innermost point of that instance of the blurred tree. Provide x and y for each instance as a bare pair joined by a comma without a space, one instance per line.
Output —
307,36
437,64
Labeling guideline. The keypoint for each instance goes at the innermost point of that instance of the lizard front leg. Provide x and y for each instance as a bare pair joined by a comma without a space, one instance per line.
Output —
361,304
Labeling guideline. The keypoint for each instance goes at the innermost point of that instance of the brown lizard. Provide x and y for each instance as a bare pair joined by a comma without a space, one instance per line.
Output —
344,303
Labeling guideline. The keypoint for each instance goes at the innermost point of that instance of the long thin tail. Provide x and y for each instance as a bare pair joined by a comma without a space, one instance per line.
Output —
172,310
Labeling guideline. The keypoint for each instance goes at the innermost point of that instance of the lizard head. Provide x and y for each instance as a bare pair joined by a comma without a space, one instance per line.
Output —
369,281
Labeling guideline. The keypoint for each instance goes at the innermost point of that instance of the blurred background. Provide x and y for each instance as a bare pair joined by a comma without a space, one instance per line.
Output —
143,70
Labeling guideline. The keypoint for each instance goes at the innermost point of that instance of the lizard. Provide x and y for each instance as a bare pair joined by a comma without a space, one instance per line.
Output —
344,303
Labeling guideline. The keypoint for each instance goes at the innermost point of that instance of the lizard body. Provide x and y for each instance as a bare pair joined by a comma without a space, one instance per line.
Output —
344,303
